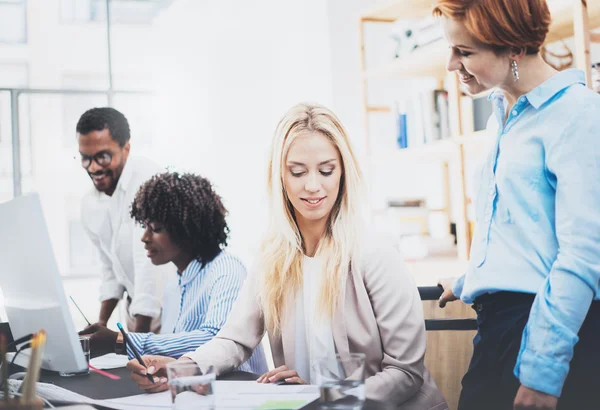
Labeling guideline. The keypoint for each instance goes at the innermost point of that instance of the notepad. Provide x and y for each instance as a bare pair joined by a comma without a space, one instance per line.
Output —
109,361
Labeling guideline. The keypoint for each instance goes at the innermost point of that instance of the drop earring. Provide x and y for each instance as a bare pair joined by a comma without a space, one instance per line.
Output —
515,70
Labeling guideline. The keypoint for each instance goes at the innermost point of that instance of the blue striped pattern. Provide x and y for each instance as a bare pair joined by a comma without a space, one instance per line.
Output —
206,298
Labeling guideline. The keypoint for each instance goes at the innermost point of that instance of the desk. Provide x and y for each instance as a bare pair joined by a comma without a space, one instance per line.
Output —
100,387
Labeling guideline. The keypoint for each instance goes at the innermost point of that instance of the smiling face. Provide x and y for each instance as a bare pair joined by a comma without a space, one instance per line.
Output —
479,67
312,176
97,144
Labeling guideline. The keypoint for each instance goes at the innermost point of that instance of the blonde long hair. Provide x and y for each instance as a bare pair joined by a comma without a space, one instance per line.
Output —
282,250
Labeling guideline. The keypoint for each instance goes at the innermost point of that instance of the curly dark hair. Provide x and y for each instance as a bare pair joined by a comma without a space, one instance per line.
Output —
189,209
97,119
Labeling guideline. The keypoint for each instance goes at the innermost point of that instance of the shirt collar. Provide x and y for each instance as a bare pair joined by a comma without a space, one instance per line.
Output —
549,88
190,272
126,175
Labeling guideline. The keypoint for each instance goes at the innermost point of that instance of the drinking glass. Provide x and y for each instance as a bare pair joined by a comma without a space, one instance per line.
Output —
341,381
190,387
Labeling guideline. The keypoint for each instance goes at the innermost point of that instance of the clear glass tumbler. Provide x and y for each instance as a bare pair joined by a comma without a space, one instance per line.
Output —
341,381
84,341
190,388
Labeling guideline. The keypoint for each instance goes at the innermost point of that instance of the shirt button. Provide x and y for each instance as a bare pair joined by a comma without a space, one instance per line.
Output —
522,99
515,112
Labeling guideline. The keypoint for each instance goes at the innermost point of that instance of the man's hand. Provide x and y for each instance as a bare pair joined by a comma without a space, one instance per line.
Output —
529,399
281,373
157,367
102,339
448,295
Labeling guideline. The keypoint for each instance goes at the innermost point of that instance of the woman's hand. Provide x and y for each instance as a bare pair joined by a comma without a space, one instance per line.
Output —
279,374
448,295
157,367
529,399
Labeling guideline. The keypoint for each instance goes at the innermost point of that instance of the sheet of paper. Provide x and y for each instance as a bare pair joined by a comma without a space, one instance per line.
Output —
252,395
140,401
230,395
252,387
109,361
238,395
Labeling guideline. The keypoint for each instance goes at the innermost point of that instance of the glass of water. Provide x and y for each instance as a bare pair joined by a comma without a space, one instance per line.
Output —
190,388
84,341
342,381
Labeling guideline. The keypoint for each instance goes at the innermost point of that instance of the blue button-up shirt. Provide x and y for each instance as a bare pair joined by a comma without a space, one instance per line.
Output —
537,206
202,304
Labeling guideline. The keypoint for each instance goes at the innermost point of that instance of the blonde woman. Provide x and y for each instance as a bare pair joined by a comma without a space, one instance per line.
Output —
322,286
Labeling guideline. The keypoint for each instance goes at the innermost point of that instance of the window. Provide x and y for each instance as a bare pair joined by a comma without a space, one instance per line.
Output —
122,11
13,22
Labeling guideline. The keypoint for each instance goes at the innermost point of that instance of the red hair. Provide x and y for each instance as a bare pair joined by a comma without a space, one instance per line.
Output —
501,24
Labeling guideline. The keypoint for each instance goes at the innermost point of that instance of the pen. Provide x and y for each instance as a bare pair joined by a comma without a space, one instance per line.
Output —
135,352
73,300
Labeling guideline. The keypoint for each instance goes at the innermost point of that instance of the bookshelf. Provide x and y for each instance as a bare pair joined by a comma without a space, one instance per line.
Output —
569,18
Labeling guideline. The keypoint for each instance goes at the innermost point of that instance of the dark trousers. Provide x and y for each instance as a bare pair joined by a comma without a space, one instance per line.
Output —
490,383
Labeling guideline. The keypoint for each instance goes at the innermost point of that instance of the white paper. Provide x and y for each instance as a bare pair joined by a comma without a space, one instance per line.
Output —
109,361
252,387
236,395
147,401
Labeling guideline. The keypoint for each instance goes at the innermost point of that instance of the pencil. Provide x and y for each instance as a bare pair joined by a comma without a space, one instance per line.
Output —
77,306
33,370
135,352
4,366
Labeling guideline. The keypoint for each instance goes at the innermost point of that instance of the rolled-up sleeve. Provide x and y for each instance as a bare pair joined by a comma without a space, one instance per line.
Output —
561,305
457,286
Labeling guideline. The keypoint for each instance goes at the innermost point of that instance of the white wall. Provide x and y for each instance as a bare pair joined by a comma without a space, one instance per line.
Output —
224,72
228,70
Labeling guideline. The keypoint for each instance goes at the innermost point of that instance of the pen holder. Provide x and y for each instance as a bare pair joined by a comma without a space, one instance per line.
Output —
14,404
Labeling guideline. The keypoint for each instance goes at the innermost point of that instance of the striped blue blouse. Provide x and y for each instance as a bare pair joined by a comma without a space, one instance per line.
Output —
537,206
206,296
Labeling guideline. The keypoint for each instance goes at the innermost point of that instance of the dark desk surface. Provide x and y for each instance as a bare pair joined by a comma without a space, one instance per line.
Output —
99,387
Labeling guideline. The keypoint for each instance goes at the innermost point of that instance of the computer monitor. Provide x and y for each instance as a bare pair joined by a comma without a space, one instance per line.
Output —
34,298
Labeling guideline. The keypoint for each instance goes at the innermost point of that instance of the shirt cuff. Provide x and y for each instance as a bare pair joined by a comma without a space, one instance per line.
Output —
541,373
457,286
138,340
111,290
145,305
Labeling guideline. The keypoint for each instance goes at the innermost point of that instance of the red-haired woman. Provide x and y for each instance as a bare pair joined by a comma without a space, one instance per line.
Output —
534,270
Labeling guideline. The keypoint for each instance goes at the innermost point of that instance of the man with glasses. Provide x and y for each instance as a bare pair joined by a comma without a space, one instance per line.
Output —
103,135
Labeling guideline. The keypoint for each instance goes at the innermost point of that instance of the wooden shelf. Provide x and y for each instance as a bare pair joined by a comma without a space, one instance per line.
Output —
430,60
561,10
433,151
562,18
407,9
427,61
379,108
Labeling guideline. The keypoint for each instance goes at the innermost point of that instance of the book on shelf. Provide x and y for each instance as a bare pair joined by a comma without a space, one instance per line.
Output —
422,118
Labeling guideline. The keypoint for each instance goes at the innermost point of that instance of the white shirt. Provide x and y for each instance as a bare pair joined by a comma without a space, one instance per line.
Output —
314,337
125,266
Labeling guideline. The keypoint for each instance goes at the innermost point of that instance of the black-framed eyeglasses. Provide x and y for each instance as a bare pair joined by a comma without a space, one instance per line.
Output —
103,158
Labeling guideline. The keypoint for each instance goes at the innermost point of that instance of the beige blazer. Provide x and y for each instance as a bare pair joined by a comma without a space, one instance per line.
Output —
380,314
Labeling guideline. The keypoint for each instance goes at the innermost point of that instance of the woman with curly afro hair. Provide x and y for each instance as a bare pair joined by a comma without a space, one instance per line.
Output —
184,223
186,206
